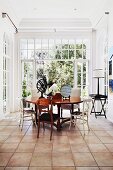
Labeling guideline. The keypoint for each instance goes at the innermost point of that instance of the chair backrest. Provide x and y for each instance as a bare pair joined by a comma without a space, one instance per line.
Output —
75,92
44,105
87,105
57,96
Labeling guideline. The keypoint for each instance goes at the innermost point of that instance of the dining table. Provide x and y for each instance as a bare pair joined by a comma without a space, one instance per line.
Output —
71,101
58,102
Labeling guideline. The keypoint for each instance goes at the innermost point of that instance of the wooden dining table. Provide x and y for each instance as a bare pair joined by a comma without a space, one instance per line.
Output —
71,101
58,102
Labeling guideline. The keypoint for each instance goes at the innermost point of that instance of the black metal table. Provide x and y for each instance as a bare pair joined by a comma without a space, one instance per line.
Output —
102,99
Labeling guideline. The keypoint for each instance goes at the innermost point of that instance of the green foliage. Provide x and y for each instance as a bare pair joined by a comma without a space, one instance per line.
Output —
25,92
62,72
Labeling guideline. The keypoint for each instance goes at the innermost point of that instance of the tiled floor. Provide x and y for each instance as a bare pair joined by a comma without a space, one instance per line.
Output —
68,150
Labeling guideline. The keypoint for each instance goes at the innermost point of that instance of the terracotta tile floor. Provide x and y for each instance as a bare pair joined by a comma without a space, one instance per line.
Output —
68,150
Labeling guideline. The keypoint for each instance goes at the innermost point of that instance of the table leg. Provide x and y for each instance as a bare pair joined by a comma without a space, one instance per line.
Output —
36,114
58,123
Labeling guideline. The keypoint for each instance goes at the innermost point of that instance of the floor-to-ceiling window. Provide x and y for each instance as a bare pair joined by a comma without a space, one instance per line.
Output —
6,69
66,60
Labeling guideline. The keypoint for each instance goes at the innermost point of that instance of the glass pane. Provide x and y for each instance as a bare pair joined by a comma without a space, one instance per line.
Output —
58,44
30,54
58,54
38,54
71,54
37,44
86,44
65,44
79,67
23,44
84,54
84,79
79,79
27,78
52,44
71,44
23,54
7,64
78,54
78,44
44,44
45,54
84,67
87,54
52,54
65,54
30,44
85,91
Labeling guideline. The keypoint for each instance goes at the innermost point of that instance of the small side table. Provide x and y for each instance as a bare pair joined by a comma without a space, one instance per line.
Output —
102,99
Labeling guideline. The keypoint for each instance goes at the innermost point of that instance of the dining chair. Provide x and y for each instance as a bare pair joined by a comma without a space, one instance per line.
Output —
74,92
82,114
46,115
27,113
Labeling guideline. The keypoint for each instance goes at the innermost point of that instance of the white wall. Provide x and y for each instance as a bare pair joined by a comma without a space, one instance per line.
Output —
6,27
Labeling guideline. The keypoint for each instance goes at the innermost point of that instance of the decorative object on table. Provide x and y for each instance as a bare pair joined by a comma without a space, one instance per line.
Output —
42,85
75,93
98,73
65,91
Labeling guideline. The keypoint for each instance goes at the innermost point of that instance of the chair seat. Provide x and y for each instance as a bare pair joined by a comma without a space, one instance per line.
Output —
68,106
47,117
78,113
28,110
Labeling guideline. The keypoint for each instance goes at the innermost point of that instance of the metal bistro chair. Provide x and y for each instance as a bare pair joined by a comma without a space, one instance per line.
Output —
27,113
82,115
46,115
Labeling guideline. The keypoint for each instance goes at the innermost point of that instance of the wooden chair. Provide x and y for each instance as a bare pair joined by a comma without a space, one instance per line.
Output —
46,115
26,113
82,115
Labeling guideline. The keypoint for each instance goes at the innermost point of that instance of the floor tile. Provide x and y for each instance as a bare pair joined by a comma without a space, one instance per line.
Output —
61,147
62,159
103,160
64,168
106,168
84,159
16,168
4,158
26,147
81,147
41,159
40,168
20,159
8,147
106,139
110,147
43,147
87,168
98,148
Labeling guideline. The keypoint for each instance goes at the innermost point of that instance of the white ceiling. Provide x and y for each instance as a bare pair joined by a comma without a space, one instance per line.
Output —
30,10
